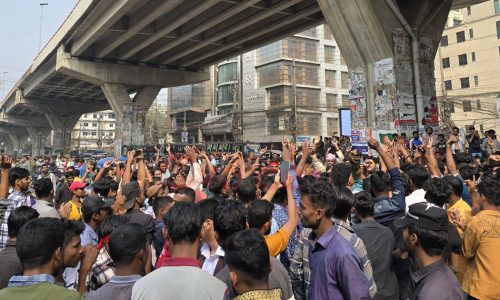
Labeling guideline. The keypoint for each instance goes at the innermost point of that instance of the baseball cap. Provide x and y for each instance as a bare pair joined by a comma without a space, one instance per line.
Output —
77,185
425,215
130,191
94,203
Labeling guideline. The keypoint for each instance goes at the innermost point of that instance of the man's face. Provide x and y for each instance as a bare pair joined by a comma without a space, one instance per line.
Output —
24,183
308,214
79,192
274,166
70,179
429,131
455,132
330,162
45,169
415,135
163,167
369,165
440,138
409,240
157,173
72,252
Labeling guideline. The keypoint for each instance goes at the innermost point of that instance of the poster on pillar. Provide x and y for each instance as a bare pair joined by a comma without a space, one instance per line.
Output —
133,124
357,98
385,91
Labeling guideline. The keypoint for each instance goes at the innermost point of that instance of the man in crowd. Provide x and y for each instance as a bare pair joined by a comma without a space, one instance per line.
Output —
77,190
38,247
334,267
181,276
9,262
211,253
19,180
425,232
46,174
128,247
44,191
63,194
249,264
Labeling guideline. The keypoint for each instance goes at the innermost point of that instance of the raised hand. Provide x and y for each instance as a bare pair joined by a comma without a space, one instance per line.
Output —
130,155
373,144
107,164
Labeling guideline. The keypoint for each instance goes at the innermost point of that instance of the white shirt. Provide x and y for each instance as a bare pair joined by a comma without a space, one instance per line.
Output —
416,197
210,260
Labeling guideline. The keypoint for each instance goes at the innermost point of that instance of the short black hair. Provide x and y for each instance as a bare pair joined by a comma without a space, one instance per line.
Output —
17,173
322,195
102,187
18,217
247,254
340,174
259,213
432,241
229,218
111,223
364,205
161,202
125,242
437,191
380,181
344,202
490,188
418,175
72,229
207,207
468,172
247,190
217,184
187,191
69,174
43,187
456,185
38,240
183,222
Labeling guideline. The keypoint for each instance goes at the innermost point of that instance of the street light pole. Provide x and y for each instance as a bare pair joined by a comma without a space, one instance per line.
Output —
41,23
39,143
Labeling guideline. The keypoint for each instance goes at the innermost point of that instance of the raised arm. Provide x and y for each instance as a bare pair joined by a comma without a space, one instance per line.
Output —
211,169
128,167
6,163
305,154
386,158
107,165
450,161
431,160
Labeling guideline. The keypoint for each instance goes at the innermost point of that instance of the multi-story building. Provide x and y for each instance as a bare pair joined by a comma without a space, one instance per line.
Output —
466,67
94,131
306,70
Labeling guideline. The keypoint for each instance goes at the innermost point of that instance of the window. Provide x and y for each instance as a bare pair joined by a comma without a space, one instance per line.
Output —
283,96
462,59
461,36
94,116
225,94
473,56
464,82
94,124
94,133
86,115
344,78
469,10
498,29
478,104
457,22
444,40
446,62
467,105
111,125
111,115
329,54
476,80
308,124
330,80
496,4
345,101
447,85
85,124
227,73
282,72
331,101
471,33
85,133
332,125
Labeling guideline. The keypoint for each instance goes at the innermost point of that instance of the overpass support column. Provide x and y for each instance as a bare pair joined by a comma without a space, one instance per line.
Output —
130,113
38,137
389,47
16,142
62,127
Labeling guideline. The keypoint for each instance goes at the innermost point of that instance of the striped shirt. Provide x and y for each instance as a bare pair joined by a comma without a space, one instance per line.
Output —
300,273
14,200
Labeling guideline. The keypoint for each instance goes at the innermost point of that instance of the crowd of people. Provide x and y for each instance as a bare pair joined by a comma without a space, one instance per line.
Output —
413,219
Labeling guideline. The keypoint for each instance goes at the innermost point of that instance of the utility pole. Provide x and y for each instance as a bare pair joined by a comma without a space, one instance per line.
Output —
41,23
236,130
293,112
446,109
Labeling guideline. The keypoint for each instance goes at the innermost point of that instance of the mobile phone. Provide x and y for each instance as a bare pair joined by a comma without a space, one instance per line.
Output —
284,168
138,153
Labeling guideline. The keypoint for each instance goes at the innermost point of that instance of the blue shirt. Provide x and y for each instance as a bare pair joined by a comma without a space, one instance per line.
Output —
336,271
89,236
389,209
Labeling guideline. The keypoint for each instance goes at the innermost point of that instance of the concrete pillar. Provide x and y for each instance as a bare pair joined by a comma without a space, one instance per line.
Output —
390,51
130,113
15,141
61,128
38,138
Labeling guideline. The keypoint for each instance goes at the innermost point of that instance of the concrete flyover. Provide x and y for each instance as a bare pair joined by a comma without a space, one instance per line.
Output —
107,50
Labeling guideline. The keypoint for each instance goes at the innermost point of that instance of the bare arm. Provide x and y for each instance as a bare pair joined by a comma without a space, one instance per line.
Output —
450,161
385,158
211,169
305,154
293,218
128,167
4,185
431,161
273,188
106,166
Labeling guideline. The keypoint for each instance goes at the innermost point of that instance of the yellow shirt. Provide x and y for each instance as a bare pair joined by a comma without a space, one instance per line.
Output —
75,212
481,246
277,242
465,212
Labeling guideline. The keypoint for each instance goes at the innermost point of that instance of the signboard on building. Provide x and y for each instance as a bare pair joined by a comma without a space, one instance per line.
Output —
360,138
184,136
